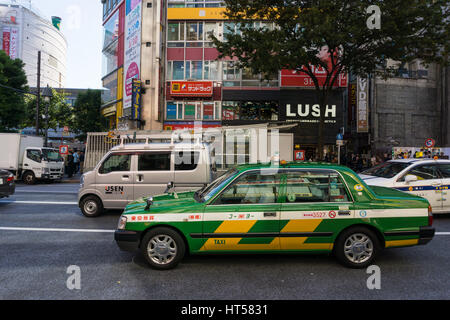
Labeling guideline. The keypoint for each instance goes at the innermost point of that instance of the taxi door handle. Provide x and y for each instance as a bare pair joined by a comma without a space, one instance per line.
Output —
344,212
270,214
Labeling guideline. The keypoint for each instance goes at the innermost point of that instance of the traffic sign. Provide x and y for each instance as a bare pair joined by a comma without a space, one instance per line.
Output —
429,143
64,149
299,155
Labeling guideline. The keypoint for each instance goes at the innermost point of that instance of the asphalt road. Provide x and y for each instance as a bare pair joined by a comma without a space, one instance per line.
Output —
34,262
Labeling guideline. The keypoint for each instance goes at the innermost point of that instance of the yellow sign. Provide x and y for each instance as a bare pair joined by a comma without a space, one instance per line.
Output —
196,14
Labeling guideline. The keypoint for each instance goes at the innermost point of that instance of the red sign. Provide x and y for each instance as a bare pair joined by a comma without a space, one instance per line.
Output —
293,78
299,155
332,214
189,125
64,149
6,40
429,143
191,88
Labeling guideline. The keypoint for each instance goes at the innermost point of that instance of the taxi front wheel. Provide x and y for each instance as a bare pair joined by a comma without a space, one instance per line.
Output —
357,247
163,248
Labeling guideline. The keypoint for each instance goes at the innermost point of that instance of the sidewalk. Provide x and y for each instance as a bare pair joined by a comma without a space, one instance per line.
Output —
74,179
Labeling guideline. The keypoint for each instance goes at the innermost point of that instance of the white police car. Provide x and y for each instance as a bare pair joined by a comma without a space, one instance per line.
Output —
426,178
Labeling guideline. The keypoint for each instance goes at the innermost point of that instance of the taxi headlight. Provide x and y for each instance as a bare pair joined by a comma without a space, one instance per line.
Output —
122,223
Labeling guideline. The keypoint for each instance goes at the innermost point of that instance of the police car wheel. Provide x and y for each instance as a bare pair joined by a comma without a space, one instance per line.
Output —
91,206
357,247
29,178
163,248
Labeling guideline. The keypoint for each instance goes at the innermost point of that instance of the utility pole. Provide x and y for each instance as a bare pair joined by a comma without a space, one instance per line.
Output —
38,99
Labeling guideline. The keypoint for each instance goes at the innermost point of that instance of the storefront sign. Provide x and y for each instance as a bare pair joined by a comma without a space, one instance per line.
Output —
302,107
362,105
191,88
132,55
180,125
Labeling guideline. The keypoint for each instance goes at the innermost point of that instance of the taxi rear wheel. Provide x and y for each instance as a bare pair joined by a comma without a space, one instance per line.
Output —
357,247
163,248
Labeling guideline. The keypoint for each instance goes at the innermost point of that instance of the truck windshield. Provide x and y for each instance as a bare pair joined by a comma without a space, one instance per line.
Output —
211,189
51,155
387,169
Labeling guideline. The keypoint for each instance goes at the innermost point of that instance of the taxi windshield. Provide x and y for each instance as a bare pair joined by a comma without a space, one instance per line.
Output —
211,189
387,169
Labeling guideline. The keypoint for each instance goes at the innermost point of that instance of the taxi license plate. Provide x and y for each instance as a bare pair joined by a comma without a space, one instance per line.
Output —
1,181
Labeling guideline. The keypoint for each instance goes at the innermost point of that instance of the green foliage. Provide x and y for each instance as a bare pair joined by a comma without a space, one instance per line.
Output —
410,30
12,104
60,113
88,117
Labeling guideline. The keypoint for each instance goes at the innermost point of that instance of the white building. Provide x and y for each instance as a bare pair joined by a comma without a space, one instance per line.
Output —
23,34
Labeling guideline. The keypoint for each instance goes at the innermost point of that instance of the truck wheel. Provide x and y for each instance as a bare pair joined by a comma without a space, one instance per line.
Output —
357,247
91,206
163,248
29,178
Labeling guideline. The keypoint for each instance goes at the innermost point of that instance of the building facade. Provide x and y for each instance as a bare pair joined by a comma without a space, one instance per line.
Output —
163,72
24,33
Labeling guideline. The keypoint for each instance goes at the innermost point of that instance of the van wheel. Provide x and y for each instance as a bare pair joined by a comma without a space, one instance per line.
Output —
29,178
163,248
357,247
91,206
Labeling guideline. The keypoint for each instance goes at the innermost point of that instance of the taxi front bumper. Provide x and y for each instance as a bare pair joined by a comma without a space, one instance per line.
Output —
127,240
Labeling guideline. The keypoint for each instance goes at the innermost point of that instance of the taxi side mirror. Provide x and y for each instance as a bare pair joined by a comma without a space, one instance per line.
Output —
410,178
169,186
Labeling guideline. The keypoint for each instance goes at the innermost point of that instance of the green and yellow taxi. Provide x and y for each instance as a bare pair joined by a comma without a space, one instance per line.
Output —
268,208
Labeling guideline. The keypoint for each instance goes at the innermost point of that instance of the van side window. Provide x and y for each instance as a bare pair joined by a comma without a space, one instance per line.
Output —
186,160
116,162
154,161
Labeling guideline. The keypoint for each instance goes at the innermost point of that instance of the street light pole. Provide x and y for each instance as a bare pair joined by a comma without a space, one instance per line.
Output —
47,94
38,100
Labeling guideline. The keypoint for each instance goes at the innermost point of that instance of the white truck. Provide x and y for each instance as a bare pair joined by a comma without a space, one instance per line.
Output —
28,160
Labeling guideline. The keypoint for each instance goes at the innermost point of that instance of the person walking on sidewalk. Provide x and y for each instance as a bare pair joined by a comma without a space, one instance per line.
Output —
76,161
70,164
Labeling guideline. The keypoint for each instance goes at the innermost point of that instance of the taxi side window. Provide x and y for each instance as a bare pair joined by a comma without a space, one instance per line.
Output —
116,162
423,172
154,161
444,169
315,186
252,188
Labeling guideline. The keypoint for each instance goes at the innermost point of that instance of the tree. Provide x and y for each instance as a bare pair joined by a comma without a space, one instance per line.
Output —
60,113
346,30
12,104
88,117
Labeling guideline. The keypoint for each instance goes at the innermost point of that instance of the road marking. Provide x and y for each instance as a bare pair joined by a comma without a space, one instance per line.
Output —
38,202
442,233
56,230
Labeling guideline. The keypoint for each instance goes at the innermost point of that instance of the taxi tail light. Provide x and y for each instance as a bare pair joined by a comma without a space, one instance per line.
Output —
430,216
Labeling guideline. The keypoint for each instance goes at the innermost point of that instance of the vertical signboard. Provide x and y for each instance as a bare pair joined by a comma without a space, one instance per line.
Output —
132,56
10,32
362,105
136,100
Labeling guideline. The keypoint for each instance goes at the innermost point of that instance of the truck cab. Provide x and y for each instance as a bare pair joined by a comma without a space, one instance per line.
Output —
41,163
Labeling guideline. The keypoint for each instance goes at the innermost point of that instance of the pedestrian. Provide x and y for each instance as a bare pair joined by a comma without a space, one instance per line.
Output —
70,164
76,161
373,160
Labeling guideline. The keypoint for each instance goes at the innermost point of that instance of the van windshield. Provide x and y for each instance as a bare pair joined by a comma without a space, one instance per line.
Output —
211,189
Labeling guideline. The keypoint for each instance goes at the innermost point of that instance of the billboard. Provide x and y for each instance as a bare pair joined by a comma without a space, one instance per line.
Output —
10,31
191,88
362,105
132,55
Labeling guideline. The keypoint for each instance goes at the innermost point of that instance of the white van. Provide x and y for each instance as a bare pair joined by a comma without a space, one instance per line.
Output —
131,171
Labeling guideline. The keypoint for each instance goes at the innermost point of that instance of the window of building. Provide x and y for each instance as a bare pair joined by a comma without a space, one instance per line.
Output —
193,110
194,70
250,110
175,70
